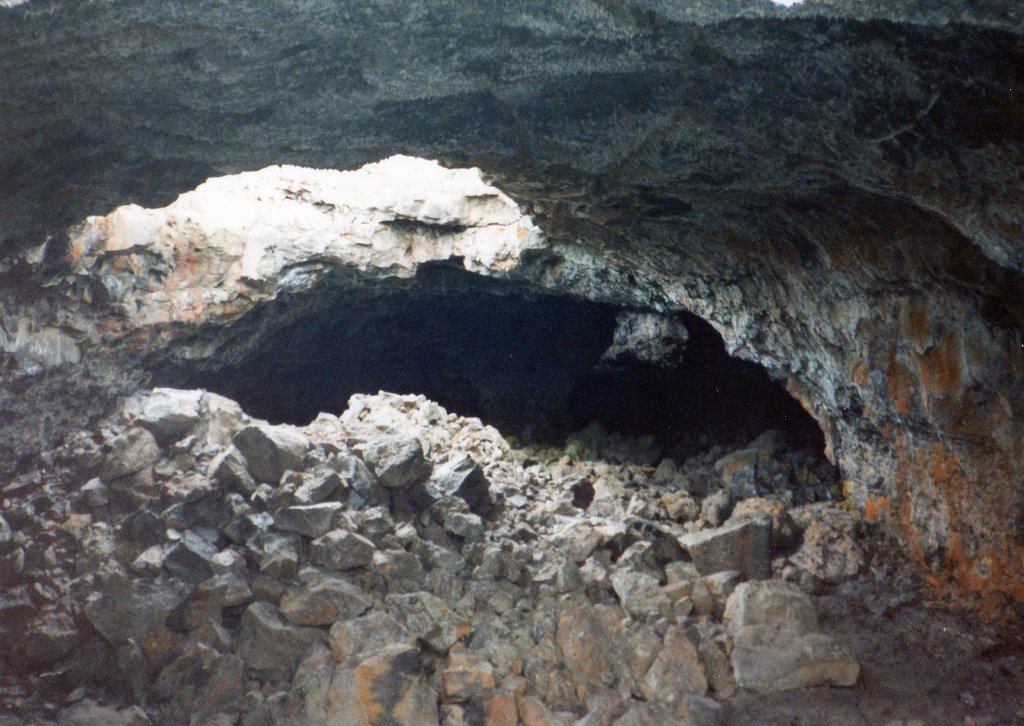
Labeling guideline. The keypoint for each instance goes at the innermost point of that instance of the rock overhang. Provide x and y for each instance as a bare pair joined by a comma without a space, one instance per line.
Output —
835,186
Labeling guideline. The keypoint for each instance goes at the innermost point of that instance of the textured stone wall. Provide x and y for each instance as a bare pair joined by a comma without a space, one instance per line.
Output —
836,186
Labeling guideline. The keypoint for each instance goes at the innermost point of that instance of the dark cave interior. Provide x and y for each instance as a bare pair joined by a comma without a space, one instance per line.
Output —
530,363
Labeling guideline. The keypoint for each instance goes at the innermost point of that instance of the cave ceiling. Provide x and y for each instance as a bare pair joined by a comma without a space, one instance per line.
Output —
656,120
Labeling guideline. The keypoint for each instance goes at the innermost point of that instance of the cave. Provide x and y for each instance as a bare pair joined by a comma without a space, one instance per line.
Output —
536,365
548,362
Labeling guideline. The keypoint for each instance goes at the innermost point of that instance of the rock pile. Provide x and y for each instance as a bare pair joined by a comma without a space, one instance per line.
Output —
186,563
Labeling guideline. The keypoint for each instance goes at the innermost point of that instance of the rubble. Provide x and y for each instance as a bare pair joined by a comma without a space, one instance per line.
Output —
405,564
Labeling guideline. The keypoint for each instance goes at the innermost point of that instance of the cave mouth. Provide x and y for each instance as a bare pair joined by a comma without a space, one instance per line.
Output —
535,365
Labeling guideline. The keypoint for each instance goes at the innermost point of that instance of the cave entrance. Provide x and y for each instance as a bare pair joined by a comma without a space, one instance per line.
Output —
535,365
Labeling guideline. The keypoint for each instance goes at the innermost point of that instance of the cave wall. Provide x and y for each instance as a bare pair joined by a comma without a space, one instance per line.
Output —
835,186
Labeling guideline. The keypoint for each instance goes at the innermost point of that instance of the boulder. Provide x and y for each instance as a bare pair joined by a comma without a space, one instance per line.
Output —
463,478
367,633
829,550
388,686
427,617
170,414
768,658
271,450
131,452
271,647
742,546
341,550
640,594
309,520
776,643
230,470
397,460
676,672
322,599
134,610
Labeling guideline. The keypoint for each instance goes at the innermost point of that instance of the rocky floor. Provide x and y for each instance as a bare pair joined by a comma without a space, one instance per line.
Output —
185,563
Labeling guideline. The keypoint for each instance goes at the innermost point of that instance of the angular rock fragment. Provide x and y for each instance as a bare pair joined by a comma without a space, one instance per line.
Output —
397,461
189,558
829,549
230,470
271,647
591,640
367,633
132,451
467,526
89,713
200,683
170,414
136,610
676,672
310,520
468,676
322,599
743,546
463,478
738,472
427,617
388,686
784,529
776,643
270,450
640,594
341,550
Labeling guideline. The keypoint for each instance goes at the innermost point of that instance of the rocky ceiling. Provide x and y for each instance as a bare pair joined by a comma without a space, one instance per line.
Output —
836,186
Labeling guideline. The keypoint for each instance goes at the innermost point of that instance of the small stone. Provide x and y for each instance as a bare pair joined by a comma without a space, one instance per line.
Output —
397,461
311,520
95,493
341,550
744,546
